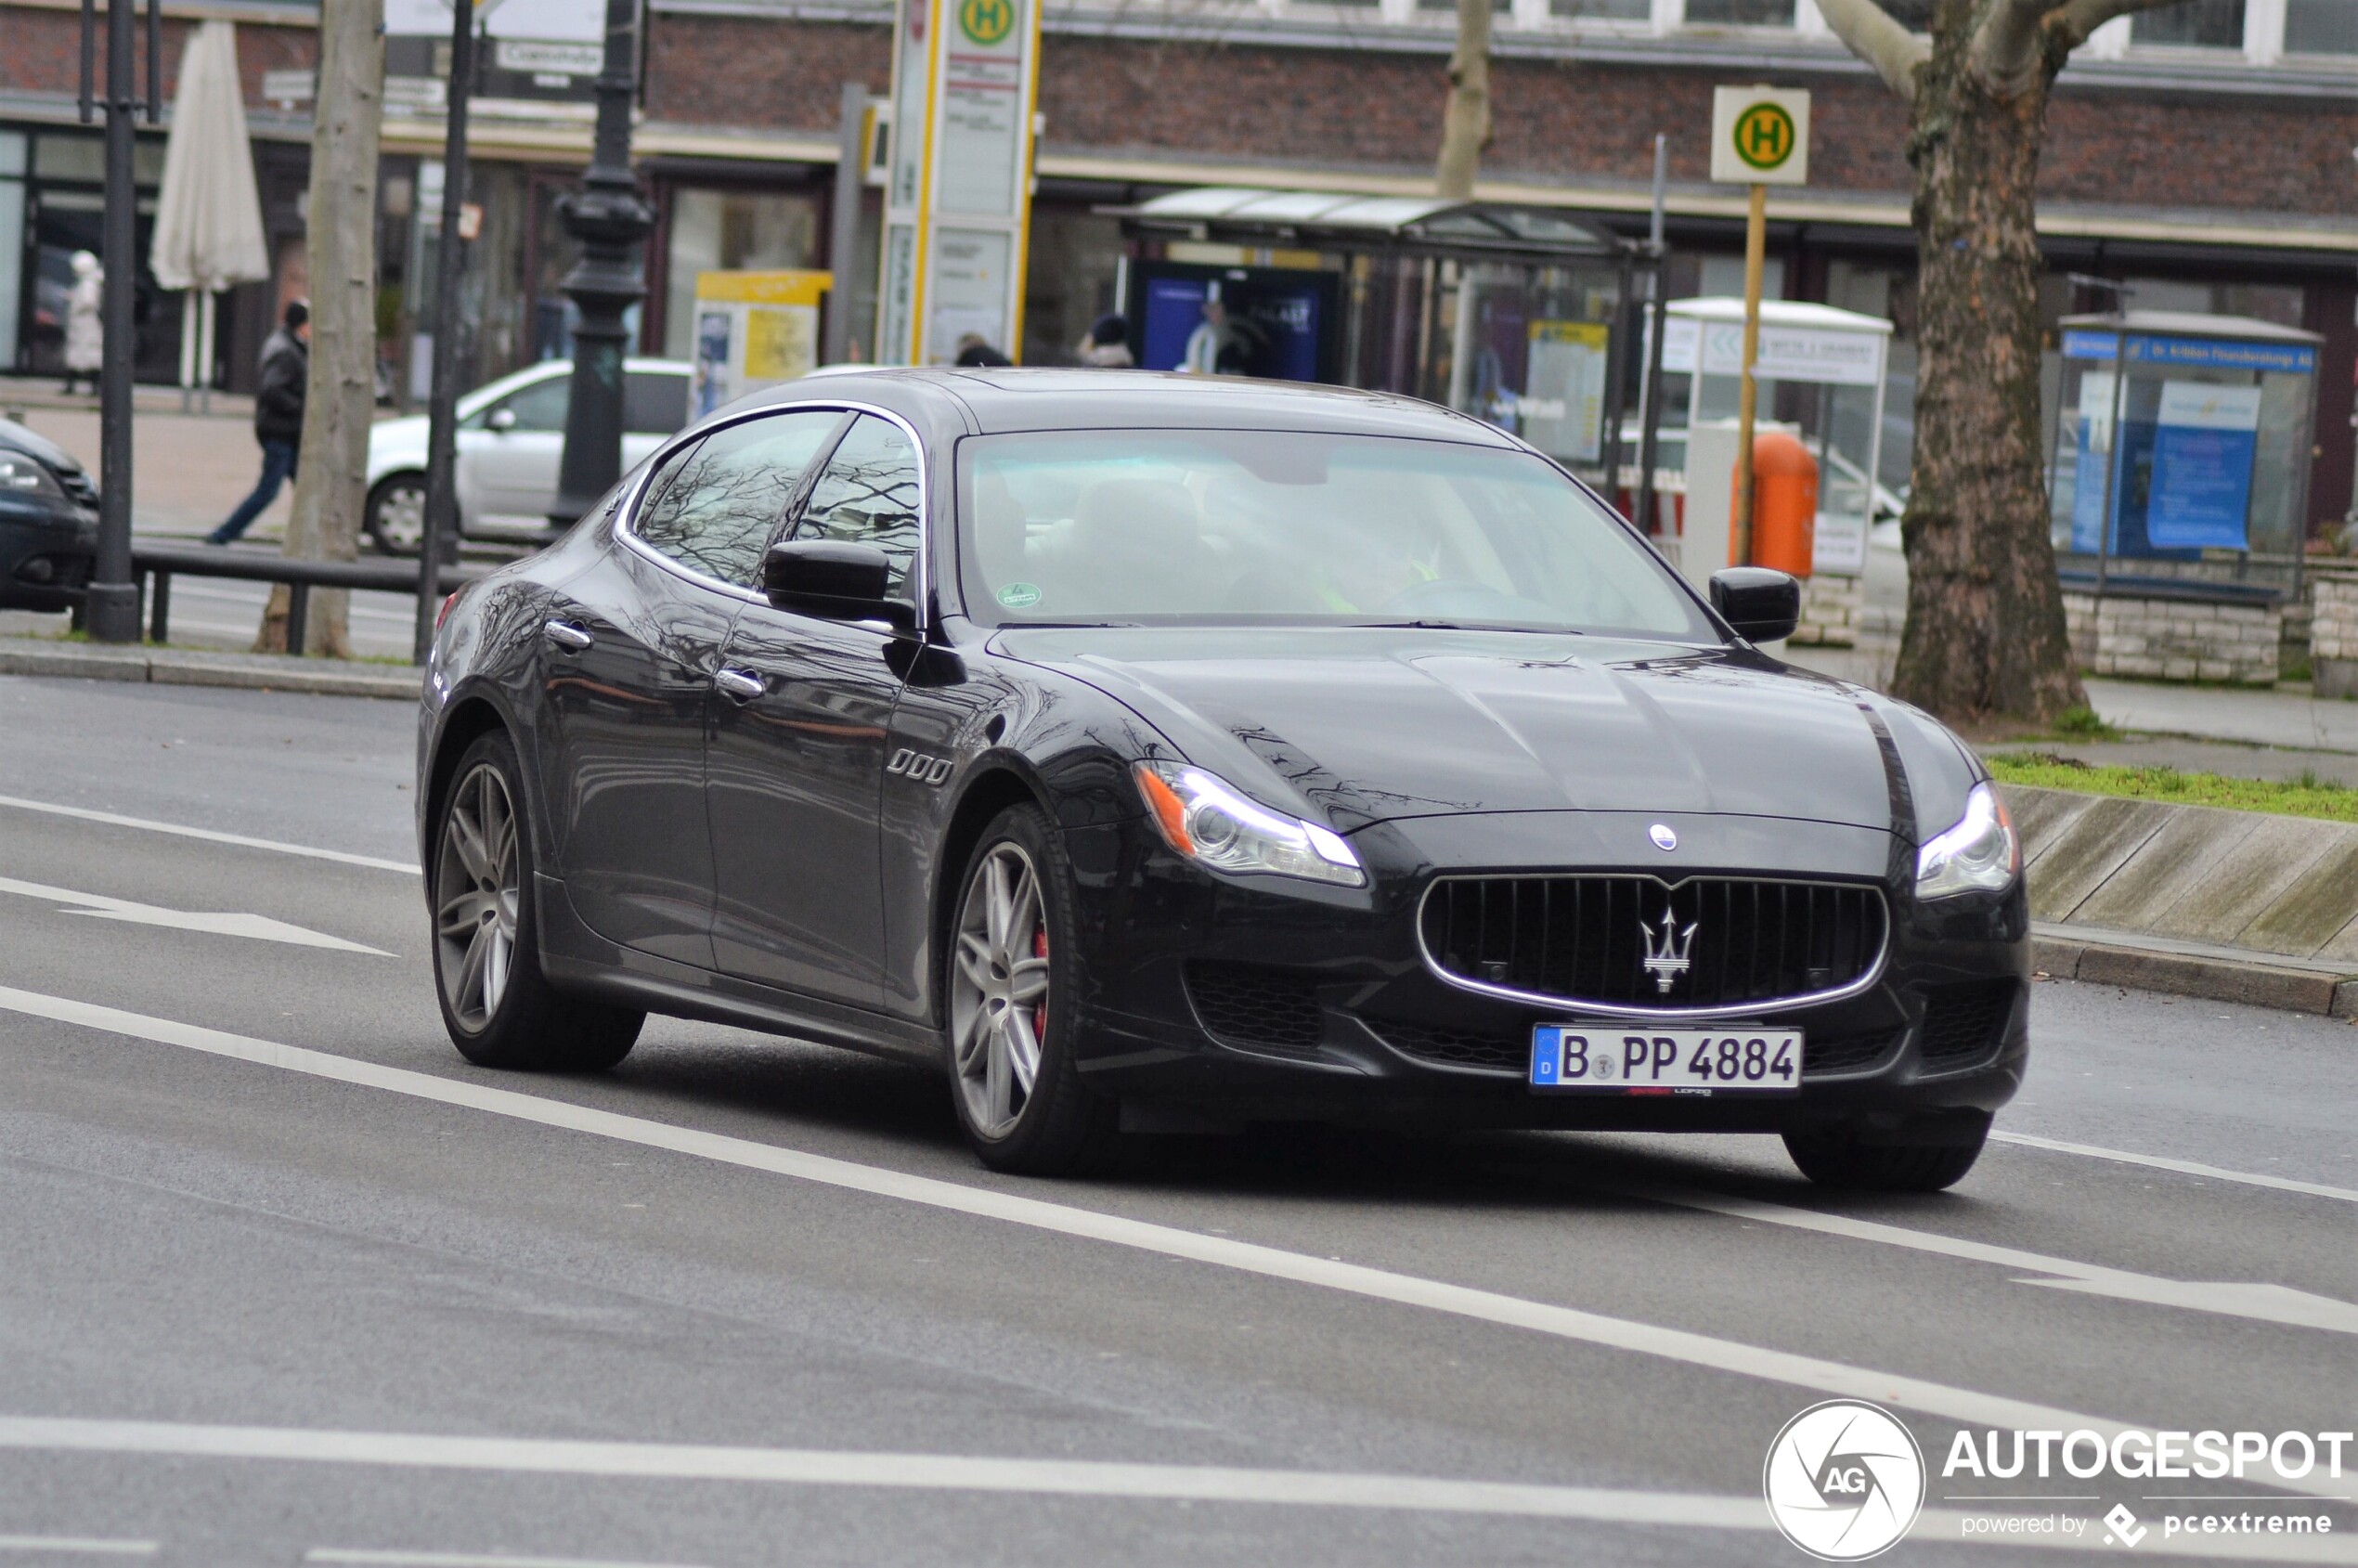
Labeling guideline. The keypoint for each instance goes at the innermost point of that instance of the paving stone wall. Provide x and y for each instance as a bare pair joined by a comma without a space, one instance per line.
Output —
2333,637
1831,608
2175,639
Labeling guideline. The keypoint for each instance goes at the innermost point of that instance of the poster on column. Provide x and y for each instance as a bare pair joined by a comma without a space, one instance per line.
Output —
2203,445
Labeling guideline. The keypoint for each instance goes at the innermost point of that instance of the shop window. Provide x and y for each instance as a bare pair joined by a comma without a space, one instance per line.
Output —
2321,27
12,163
1740,13
1602,11
2206,24
727,231
85,158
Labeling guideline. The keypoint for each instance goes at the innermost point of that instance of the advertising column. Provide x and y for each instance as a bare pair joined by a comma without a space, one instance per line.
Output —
958,207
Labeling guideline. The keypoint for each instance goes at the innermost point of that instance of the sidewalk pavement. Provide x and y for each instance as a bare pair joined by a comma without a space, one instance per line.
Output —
185,667
187,471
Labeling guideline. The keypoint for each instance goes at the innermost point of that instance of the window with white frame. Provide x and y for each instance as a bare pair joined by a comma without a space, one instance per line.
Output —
1740,13
2321,27
2202,24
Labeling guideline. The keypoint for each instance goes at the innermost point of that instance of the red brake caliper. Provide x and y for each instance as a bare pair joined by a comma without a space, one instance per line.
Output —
1040,1014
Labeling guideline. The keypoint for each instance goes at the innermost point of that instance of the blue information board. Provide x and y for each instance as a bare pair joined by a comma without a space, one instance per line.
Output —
2204,444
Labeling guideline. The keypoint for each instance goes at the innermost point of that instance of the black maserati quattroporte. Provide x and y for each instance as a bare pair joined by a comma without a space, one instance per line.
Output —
1153,752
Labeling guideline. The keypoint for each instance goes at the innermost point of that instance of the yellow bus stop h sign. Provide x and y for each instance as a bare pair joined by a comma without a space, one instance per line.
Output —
1759,137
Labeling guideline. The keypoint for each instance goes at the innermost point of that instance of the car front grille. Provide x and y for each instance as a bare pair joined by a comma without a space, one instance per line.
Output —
1639,943
1257,1007
1963,1023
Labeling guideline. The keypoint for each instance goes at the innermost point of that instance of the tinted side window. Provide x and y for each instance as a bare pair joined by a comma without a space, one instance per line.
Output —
654,403
714,506
541,405
868,495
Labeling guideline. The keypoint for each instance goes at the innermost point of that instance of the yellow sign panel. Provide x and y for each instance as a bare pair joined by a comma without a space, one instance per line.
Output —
763,288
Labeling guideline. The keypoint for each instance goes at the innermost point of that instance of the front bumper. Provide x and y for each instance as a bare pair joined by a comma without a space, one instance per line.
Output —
46,550
1266,1000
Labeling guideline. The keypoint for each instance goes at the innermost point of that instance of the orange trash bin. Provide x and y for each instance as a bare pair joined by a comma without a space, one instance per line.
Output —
1785,505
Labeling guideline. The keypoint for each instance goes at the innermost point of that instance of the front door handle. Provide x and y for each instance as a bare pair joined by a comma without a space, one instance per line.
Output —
741,684
567,635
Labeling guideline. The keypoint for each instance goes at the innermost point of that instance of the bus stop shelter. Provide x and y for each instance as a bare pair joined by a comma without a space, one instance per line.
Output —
1518,316
2179,486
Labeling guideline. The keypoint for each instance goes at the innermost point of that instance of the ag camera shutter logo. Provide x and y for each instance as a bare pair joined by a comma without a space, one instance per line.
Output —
1845,1481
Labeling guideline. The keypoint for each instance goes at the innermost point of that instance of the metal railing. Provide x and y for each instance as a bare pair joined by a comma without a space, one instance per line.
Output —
154,566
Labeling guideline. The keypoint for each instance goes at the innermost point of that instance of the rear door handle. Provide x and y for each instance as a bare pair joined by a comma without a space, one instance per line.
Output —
567,635
741,684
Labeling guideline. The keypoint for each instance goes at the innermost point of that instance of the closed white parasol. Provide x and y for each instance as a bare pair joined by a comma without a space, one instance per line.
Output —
208,232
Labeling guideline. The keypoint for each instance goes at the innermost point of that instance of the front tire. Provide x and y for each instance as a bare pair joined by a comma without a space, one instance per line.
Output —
1844,1156
1007,965
394,519
496,1005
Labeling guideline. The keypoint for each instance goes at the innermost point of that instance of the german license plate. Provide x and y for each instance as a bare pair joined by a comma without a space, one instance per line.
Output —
1622,1060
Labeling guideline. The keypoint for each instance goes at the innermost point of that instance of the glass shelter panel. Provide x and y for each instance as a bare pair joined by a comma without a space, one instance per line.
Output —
2182,459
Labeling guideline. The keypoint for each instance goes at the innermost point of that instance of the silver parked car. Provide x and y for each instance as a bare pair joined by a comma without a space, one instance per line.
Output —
511,434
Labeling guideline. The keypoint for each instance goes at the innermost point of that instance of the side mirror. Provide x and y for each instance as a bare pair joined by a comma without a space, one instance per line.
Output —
834,580
499,421
1761,605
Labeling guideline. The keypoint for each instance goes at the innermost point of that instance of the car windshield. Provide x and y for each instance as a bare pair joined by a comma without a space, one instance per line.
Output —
1281,527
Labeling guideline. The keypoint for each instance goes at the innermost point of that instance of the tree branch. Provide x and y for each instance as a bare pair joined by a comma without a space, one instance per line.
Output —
1867,30
2075,19
2005,55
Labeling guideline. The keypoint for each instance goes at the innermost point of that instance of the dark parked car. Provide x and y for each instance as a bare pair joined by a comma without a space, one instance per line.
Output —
48,523
1161,752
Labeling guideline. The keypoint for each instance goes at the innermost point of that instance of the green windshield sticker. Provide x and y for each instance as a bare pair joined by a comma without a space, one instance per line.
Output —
1020,596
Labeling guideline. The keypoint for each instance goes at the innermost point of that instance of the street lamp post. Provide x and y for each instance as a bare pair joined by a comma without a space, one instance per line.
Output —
110,602
611,219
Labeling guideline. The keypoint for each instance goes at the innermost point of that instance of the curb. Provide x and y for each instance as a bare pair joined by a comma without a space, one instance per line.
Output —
2258,980
254,673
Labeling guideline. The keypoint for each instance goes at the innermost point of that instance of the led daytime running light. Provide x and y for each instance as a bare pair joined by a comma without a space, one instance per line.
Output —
1210,822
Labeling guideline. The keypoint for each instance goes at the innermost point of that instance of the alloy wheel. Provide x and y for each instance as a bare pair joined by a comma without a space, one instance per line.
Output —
999,990
401,518
478,895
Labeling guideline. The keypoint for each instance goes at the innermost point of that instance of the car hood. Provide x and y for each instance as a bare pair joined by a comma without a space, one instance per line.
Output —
1372,725
38,447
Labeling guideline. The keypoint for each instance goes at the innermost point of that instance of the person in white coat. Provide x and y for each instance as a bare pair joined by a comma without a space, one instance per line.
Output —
85,331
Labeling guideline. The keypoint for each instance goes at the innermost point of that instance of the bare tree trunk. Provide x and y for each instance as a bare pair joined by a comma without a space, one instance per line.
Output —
1984,635
341,395
1465,120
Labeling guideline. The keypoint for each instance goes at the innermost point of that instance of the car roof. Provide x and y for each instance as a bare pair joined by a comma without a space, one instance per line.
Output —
1004,400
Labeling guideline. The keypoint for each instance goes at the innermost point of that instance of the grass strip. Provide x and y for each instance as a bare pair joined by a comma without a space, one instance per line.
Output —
2307,796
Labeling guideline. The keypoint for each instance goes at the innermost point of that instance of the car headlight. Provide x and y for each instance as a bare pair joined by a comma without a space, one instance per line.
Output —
1980,854
21,475
1212,824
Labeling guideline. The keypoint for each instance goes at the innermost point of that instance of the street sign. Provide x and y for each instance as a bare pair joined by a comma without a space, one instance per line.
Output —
1760,135
958,197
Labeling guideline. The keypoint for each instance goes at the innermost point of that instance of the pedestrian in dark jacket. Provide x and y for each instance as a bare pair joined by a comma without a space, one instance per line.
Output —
278,417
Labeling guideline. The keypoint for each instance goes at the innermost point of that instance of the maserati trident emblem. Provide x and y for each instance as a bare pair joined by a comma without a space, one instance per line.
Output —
1663,837
1666,958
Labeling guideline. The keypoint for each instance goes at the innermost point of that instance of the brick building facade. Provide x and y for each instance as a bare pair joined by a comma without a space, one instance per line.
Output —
2208,162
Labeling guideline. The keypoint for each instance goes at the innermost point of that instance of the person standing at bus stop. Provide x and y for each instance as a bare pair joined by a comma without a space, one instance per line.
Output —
278,417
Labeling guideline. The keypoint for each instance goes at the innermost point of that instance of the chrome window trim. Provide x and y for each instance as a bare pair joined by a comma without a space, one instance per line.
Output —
1623,1010
626,514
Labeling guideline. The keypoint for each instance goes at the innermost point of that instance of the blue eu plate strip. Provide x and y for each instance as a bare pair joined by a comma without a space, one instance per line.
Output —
1546,1053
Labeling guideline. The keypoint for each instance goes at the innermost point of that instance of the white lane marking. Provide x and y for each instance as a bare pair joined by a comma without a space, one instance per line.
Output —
86,1546
208,835
1964,1406
2268,1303
256,927
463,1560
2183,1167
960,1472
